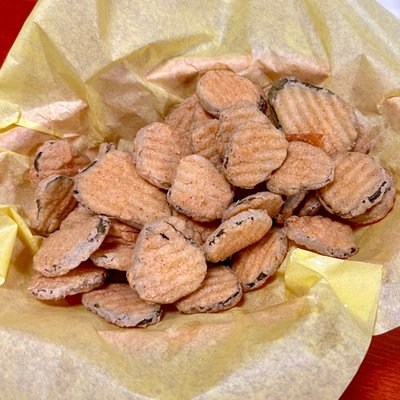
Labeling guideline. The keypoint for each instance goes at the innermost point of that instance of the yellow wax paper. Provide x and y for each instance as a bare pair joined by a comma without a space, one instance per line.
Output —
90,71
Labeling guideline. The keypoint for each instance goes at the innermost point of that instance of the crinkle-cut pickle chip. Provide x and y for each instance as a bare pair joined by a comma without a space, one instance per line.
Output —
198,231
119,304
56,157
80,234
253,152
220,290
111,186
121,233
378,211
323,235
359,183
256,263
315,139
270,202
187,115
199,189
290,206
180,117
80,280
301,108
218,90
158,150
239,113
184,225
236,233
204,141
113,256
166,264
306,167
310,206
54,200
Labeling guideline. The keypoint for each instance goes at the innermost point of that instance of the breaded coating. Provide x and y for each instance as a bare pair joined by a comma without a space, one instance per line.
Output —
121,233
378,211
253,152
359,183
158,150
239,113
306,167
80,280
290,206
80,234
256,263
203,141
198,231
166,264
315,139
322,235
220,89
111,186
236,233
187,115
53,201
267,201
200,190
301,108
119,304
310,207
113,256
220,290
56,157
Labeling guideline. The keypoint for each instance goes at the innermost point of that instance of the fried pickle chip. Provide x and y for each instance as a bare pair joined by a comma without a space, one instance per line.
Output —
239,113
220,290
166,264
290,206
187,115
181,116
80,280
236,233
198,231
256,263
323,235
315,139
80,234
121,233
378,211
253,152
199,189
267,201
220,89
203,141
54,200
119,304
200,115
158,151
310,207
56,157
113,256
359,183
111,186
306,167
301,108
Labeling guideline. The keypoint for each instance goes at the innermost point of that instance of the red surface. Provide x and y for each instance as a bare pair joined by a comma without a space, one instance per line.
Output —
379,375
13,14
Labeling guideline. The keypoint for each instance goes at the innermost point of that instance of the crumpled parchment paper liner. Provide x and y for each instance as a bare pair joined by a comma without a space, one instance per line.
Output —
285,350
91,71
